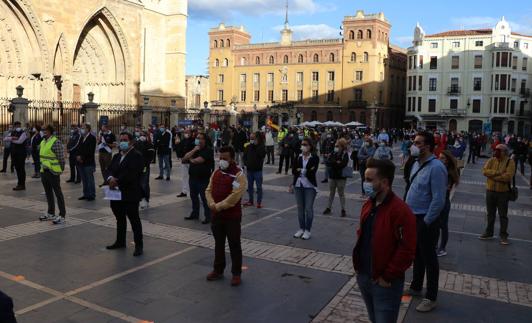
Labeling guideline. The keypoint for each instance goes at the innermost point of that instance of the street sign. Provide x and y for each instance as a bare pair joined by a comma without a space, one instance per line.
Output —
185,122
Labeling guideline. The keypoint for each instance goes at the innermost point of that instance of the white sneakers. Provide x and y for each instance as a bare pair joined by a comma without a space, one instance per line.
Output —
58,220
305,235
144,204
46,217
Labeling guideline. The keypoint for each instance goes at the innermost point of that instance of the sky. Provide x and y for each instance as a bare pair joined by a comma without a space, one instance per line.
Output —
315,19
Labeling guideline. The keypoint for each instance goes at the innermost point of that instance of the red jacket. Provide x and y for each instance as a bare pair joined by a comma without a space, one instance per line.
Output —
221,186
393,240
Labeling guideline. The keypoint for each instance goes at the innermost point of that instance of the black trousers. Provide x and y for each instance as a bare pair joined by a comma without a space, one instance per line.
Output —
270,155
121,210
52,185
286,160
472,155
6,309
426,258
229,229
7,153
74,171
19,159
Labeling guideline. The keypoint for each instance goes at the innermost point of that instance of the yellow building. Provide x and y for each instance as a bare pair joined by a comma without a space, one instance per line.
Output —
358,77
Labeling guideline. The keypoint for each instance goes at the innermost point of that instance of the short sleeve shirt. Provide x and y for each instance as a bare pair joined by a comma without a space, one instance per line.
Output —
202,171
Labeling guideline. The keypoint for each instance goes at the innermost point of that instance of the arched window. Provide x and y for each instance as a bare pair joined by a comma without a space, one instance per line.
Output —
215,44
366,57
285,59
368,34
221,43
329,116
243,61
363,117
352,116
217,63
316,58
271,60
331,57
300,58
352,34
228,43
314,115
360,34
353,57
226,62
257,60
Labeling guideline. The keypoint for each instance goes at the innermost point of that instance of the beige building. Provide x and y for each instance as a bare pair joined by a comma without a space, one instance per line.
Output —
197,89
358,77
120,50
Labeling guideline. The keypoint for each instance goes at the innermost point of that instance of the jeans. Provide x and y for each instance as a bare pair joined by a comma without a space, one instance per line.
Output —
197,190
230,229
269,153
87,179
444,224
286,160
333,185
36,161
426,259
121,210
51,184
354,158
472,155
256,177
382,303
145,184
164,165
497,201
305,206
7,152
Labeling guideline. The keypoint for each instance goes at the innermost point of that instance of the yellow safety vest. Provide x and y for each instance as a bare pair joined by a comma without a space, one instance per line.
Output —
48,158
281,135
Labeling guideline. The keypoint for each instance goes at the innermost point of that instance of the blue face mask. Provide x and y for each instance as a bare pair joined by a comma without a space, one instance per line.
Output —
124,145
196,142
301,137
161,129
370,191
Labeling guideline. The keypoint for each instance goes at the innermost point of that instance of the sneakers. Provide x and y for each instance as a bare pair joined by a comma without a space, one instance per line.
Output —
327,211
58,220
212,276
426,305
486,236
504,241
344,214
46,217
144,204
299,234
442,253
306,235
236,280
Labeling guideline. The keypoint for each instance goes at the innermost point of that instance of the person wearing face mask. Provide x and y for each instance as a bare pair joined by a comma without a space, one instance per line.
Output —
285,153
499,171
163,145
35,141
72,148
253,159
124,174
18,154
106,143
239,139
336,163
145,148
327,148
383,152
201,160
7,150
386,244
453,177
270,144
86,162
426,197
224,195
305,187
367,151
185,145
356,145
519,154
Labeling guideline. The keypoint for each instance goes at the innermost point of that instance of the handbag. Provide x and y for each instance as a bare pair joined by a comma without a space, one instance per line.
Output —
513,193
347,172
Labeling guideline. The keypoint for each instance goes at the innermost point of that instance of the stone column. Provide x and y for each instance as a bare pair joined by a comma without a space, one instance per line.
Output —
90,109
19,107
255,124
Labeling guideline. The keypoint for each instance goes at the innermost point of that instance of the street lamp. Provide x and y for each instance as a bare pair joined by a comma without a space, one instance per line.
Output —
146,100
90,96
20,91
206,105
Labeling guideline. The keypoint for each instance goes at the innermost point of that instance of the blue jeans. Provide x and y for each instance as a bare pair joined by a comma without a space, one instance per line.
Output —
164,165
257,178
305,206
87,179
382,303
198,187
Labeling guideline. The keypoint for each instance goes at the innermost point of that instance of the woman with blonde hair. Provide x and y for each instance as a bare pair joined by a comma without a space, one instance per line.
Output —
336,163
447,158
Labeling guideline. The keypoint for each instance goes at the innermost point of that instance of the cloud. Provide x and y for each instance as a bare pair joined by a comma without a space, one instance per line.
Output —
474,22
319,31
226,9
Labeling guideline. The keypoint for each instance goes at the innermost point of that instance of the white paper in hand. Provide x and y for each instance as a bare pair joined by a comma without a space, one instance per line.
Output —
112,195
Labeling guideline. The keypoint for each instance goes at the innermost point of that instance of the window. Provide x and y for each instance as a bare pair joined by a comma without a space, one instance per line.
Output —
513,85
432,84
514,62
314,115
285,59
525,45
329,116
257,60
353,57
455,62
228,43
476,106
226,62
285,95
220,78
363,117
420,83
516,44
220,95
316,58
315,76
477,84
284,78
366,57
368,34
478,61
300,58
421,61
525,63
409,105
512,107
414,104
433,45
270,95
479,43
419,100
256,78
331,57
410,83
299,77
221,43
358,94
270,78
433,62
243,61
360,34
410,59
271,60
352,116
300,95
432,105
314,95
217,63
215,44
351,34
505,57
330,75
256,96
243,78
503,86
242,96
358,76
455,44
330,96
453,104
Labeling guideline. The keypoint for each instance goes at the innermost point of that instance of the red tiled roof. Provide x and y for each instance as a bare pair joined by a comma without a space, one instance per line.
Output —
470,32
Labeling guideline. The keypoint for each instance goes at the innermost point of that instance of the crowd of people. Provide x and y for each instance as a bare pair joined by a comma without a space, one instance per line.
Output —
219,164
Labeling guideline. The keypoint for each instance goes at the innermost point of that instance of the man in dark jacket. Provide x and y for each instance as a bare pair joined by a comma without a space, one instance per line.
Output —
224,194
336,163
239,139
145,148
183,147
6,309
35,142
285,154
72,147
18,154
386,244
86,162
124,174
163,146
254,155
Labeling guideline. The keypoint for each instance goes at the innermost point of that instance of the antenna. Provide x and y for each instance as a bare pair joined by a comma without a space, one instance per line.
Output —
286,15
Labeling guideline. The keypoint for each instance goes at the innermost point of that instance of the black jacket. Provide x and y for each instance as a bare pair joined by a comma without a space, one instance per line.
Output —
254,157
147,151
184,146
239,139
162,143
128,174
87,147
312,168
336,163
73,142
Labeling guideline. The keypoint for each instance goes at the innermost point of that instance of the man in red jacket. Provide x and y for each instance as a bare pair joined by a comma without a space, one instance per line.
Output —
224,194
386,243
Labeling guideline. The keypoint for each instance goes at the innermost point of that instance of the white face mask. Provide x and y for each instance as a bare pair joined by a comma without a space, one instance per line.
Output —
305,149
224,164
414,151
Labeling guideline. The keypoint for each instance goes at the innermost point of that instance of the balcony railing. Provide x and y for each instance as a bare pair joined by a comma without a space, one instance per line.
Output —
357,104
453,112
218,103
524,93
454,90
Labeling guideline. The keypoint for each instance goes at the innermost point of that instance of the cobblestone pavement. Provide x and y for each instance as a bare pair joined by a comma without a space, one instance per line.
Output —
63,274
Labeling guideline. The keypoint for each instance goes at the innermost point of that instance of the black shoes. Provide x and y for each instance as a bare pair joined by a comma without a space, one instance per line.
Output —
158,178
70,181
168,178
206,221
325,181
327,211
3,171
82,198
190,217
19,188
138,252
116,246
182,195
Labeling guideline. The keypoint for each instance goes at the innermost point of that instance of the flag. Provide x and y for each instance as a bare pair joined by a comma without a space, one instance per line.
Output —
272,125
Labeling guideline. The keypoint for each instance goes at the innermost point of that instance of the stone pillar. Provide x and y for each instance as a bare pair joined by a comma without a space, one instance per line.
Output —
90,109
255,125
206,117
146,113
174,116
19,107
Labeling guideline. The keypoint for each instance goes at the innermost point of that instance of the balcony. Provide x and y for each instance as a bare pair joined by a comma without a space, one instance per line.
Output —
357,104
524,93
218,103
454,90
453,112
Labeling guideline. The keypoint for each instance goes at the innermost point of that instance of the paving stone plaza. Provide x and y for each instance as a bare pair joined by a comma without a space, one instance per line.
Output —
65,274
